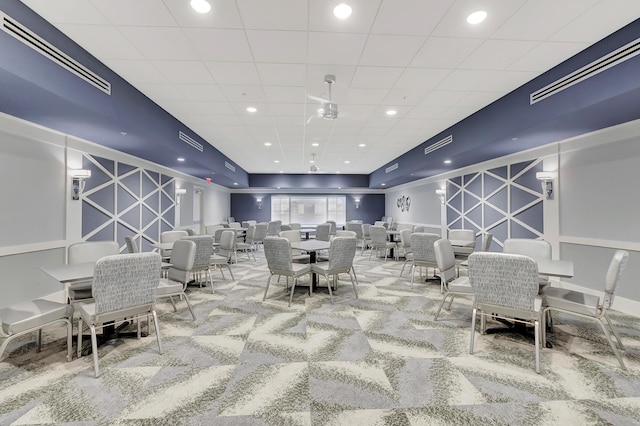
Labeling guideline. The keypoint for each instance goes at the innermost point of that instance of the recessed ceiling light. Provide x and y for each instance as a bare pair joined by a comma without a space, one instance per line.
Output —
392,112
476,17
362,145
200,6
312,161
315,144
251,109
267,144
276,161
235,183
447,161
281,171
346,161
342,11
338,172
383,184
180,159
123,133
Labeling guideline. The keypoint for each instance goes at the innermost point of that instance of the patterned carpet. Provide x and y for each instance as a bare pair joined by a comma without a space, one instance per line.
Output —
376,360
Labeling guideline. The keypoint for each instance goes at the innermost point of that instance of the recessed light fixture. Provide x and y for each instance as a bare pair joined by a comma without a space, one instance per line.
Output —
338,172
267,144
251,109
342,11
276,161
123,133
315,144
201,6
476,17
362,145
392,112
383,184
312,161
180,159
447,161
235,183
347,161
281,171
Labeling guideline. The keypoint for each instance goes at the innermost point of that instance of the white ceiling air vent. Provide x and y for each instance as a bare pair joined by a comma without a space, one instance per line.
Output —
438,145
230,166
391,168
184,138
29,38
614,58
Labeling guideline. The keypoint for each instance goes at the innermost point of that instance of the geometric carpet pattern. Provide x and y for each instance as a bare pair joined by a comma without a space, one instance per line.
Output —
376,360
506,201
121,200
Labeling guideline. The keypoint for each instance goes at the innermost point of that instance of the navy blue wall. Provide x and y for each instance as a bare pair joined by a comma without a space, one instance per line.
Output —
311,181
245,206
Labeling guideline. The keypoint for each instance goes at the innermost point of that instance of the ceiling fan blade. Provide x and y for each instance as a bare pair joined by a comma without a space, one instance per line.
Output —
309,119
318,99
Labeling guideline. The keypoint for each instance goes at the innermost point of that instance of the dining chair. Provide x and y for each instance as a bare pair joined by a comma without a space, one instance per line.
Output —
202,259
211,229
341,253
419,228
334,227
357,228
380,242
537,249
259,234
132,247
405,245
285,228
190,231
452,284
487,238
469,235
26,317
218,232
124,286
293,236
224,253
341,233
366,237
277,251
505,286
423,254
183,258
84,252
273,227
170,237
588,306
248,245
323,232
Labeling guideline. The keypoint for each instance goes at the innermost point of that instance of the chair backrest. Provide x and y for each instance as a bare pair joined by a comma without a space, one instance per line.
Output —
419,228
538,249
504,280
235,225
261,232
341,253
323,232
227,243
171,236
91,251
355,227
616,267
341,233
292,236
231,219
378,234
381,223
211,229
277,251
403,226
191,231
125,281
462,234
218,234
334,227
422,245
445,259
285,228
274,227
487,238
295,226
405,237
132,247
366,230
248,236
204,251
183,256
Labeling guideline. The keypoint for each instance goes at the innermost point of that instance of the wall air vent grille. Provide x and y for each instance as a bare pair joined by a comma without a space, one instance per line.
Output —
229,166
614,58
438,145
29,38
391,168
184,138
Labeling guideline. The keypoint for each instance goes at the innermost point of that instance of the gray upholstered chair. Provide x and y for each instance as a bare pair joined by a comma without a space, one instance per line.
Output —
224,252
273,227
357,228
211,229
405,243
277,251
487,238
380,242
588,306
294,237
183,258
505,286
190,231
170,237
323,232
247,246
366,236
285,227
124,286
419,228
446,262
341,253
132,247
334,227
34,315
536,249
341,233
218,232
202,260
423,253
259,234
85,252
469,235
295,226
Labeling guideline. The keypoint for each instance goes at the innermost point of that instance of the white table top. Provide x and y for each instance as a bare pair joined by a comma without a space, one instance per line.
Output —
462,243
310,245
77,272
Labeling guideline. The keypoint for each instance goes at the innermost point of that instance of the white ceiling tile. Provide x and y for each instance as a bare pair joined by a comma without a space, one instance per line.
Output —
443,97
103,41
444,52
140,12
278,46
464,79
409,16
161,92
221,120
184,72
202,107
219,44
136,71
321,16
282,74
421,79
454,23
200,92
506,81
276,15
234,73
375,77
478,99
545,56
425,112
335,48
244,94
366,96
161,43
68,11
285,94
390,51
223,14
288,109
407,96
497,54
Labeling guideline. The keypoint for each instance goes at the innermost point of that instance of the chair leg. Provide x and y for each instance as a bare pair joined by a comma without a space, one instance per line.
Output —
293,287
473,330
353,283
231,272
267,289
413,271
612,344
613,330
536,330
69,340
444,299
79,344
39,340
173,304
186,299
94,349
157,327
329,286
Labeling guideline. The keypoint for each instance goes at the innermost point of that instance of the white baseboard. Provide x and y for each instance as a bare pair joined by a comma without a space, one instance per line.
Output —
622,304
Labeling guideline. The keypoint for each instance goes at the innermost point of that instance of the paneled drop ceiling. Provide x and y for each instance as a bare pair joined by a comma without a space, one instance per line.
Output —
417,57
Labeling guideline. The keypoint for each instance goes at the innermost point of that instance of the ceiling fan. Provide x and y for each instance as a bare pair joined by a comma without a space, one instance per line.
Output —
328,110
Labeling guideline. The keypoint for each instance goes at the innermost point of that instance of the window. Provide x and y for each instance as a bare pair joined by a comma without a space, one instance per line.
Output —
308,210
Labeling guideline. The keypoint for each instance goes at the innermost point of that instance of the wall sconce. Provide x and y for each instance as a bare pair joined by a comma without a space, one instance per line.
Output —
78,177
441,193
259,200
546,178
179,194
357,200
